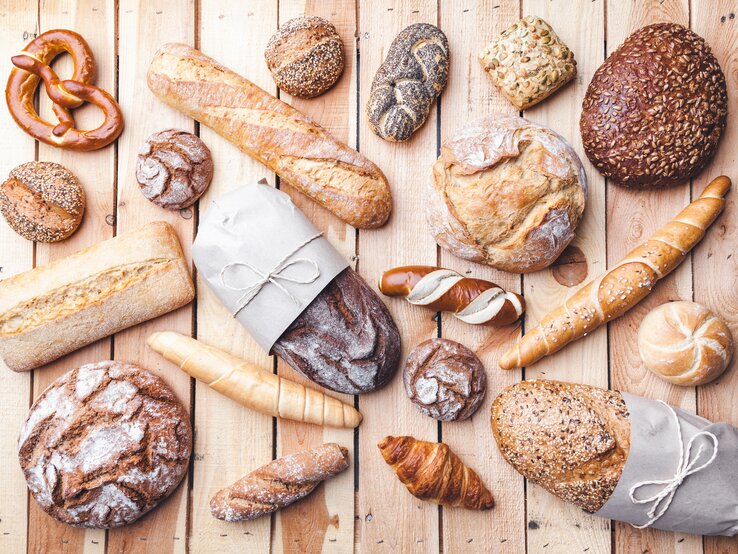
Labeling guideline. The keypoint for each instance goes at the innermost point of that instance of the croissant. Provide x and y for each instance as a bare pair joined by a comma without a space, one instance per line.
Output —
616,291
279,483
430,471
251,386
443,290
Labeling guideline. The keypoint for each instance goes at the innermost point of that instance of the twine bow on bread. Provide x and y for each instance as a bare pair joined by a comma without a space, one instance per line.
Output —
687,466
273,276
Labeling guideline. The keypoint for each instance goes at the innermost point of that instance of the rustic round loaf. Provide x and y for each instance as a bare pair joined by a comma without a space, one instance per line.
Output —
174,168
305,56
685,343
507,193
42,201
104,444
655,110
445,379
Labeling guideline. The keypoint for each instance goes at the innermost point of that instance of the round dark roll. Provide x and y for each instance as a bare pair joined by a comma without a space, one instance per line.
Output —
445,379
305,56
345,340
104,444
174,168
655,110
42,201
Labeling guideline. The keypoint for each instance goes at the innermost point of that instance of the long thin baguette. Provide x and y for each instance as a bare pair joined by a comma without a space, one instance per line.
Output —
297,148
251,386
54,309
279,483
612,294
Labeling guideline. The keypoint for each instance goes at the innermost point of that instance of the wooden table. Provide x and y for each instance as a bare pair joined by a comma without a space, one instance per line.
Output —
365,509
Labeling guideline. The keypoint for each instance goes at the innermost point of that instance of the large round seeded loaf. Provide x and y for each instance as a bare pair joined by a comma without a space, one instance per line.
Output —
572,440
655,110
104,444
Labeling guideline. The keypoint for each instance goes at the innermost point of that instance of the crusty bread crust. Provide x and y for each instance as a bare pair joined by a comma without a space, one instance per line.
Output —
573,440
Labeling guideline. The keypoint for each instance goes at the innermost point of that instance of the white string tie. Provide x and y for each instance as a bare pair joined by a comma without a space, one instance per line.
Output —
662,500
273,276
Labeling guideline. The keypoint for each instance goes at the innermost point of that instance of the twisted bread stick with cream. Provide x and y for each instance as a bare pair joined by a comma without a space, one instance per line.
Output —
616,291
471,300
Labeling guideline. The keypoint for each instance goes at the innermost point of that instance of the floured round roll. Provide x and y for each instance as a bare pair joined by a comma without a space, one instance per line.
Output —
104,444
507,193
685,343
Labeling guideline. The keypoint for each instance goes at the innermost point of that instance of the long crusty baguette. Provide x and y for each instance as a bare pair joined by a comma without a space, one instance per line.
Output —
57,308
252,386
573,440
616,291
431,471
297,148
279,483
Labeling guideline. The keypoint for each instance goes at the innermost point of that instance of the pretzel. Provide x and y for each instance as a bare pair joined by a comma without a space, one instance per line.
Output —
32,67
471,300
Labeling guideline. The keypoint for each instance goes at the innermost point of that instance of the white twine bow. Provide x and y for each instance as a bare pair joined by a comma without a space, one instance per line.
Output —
250,292
662,500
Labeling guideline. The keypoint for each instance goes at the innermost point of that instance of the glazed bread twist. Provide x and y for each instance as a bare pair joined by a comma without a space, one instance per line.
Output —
430,471
612,294
472,301
288,142
279,483
412,76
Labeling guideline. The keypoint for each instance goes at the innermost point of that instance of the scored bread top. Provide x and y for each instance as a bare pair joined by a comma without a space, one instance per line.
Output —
573,440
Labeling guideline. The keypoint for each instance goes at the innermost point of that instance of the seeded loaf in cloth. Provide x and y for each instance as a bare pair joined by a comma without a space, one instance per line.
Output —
52,310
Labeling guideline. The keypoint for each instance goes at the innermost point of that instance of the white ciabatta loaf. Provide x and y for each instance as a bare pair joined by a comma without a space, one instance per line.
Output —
685,343
507,193
54,309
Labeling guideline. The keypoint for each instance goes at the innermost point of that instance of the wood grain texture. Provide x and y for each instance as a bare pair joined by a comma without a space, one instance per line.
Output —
469,95
554,525
19,25
389,519
324,521
143,27
632,216
96,171
230,440
715,264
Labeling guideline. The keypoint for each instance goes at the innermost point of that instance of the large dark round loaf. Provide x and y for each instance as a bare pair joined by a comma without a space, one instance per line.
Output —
655,110
345,340
104,444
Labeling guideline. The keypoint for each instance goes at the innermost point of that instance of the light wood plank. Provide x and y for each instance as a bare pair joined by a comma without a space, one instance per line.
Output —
469,95
388,517
231,440
18,25
95,21
552,523
632,216
143,27
325,520
715,262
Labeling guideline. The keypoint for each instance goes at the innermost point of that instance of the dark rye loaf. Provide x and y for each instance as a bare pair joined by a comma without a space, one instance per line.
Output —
570,439
104,444
655,110
345,340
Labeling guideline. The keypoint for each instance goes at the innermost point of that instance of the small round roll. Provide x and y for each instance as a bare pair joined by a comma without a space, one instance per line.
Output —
685,343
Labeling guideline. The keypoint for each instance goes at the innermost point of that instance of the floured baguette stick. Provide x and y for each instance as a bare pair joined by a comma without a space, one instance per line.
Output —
279,483
251,386
472,301
616,291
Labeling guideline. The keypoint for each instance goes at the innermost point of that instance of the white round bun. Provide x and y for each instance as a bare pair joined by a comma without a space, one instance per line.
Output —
685,343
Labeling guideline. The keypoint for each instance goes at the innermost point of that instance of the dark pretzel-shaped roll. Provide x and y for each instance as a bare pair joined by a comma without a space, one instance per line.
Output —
472,301
32,67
